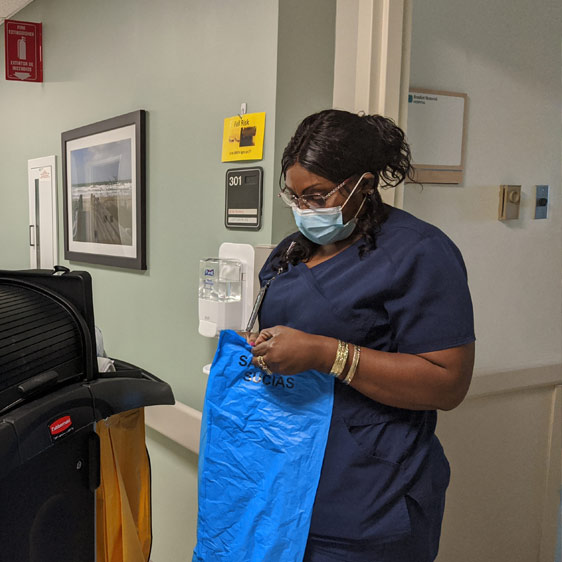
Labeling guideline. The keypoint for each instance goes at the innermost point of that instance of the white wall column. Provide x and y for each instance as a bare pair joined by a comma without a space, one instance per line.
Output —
371,67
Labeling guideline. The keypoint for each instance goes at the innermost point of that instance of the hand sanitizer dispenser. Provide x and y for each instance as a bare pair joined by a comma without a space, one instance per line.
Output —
226,289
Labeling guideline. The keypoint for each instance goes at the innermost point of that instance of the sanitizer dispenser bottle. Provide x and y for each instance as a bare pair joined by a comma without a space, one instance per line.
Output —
220,297
226,289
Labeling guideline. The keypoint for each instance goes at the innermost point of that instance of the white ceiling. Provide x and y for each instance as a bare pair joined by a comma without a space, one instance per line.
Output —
9,8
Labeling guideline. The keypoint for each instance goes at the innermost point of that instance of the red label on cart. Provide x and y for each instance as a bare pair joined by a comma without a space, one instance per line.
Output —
62,425
24,51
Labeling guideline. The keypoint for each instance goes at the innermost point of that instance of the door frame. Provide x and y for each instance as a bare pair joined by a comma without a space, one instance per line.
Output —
372,63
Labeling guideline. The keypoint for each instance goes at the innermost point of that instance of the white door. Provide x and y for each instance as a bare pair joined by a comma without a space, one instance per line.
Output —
43,247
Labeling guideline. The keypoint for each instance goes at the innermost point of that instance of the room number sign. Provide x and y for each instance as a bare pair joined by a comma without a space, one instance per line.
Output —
243,198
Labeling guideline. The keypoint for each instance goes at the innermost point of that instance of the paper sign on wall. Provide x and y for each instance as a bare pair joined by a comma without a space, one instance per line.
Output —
24,55
243,137
437,134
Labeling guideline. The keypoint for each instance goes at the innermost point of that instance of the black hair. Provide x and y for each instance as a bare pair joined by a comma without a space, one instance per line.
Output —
338,145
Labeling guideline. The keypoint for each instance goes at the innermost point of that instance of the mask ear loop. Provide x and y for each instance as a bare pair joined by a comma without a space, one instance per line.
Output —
362,202
353,191
359,210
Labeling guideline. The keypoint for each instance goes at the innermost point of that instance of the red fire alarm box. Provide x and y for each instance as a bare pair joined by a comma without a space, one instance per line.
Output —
24,51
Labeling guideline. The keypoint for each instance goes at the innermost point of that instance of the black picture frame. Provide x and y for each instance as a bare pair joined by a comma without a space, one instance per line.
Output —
104,192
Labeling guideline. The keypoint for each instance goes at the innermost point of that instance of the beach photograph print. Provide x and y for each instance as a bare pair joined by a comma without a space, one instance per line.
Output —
104,188
102,193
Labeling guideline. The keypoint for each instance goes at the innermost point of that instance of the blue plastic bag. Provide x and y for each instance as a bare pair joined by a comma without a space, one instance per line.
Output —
263,439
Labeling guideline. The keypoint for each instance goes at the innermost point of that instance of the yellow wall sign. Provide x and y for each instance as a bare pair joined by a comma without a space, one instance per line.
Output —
242,138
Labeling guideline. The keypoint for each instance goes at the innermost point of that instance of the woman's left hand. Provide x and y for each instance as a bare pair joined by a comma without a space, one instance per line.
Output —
288,351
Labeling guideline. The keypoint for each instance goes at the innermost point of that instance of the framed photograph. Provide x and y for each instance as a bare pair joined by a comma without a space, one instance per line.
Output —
104,192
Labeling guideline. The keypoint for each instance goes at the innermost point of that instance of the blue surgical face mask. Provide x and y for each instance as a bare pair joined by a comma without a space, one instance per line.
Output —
325,225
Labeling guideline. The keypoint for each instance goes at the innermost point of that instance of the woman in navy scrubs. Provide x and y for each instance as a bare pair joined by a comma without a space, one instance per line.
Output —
379,299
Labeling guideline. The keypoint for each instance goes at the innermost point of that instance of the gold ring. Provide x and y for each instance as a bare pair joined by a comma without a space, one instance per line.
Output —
263,365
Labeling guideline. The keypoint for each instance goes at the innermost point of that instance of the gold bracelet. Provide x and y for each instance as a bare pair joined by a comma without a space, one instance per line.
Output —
341,359
337,369
354,363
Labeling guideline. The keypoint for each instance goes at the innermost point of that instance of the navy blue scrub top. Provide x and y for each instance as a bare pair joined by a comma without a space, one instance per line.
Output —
409,295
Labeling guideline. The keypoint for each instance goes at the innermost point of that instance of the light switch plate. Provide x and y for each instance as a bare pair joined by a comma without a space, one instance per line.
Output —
541,206
510,200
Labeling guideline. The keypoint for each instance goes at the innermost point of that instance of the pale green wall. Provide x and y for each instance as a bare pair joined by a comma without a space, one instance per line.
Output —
189,64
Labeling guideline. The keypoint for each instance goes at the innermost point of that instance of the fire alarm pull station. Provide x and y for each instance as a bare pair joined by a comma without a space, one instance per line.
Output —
243,198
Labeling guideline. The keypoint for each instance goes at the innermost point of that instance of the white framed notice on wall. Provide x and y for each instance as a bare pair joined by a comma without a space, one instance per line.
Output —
436,132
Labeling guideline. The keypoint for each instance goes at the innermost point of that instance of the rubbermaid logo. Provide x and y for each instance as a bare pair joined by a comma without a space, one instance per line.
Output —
60,425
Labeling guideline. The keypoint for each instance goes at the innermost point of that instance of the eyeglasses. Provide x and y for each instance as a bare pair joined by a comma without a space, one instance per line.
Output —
312,200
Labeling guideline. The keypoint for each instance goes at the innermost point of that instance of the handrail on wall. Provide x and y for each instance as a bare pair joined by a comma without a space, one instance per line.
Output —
179,422
182,424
